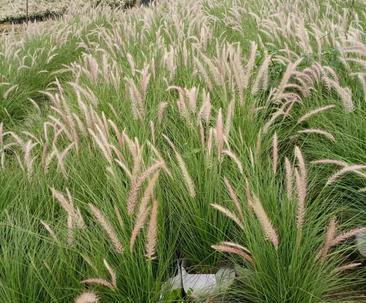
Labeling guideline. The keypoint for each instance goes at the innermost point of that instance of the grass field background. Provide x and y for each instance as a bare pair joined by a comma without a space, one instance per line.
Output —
228,133
15,9
11,10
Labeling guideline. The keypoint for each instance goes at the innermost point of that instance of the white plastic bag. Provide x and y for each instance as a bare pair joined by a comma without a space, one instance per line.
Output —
199,286
361,243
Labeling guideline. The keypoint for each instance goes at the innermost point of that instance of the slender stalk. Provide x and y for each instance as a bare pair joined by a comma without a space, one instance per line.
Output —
27,11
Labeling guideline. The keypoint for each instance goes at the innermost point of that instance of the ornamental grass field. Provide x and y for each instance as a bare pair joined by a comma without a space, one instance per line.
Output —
15,9
224,133
19,10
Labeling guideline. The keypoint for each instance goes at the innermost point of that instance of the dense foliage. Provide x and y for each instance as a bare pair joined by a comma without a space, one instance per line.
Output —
224,132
